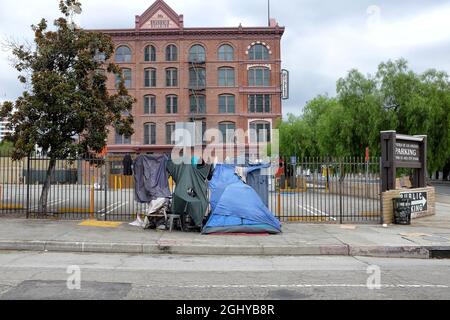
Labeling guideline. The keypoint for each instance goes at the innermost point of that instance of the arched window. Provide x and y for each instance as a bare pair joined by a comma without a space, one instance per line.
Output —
227,103
259,77
170,133
197,104
150,78
171,104
226,53
197,78
172,77
226,77
260,132
197,54
126,73
149,104
150,133
228,130
171,53
258,52
123,54
150,54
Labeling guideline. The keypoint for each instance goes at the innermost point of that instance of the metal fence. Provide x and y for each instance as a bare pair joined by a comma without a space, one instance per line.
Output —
327,190
309,190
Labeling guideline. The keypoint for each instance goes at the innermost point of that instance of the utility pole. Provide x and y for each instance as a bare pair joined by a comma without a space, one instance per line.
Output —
268,13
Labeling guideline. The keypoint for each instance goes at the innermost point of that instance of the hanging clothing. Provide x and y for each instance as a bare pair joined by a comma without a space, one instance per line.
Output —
127,165
191,190
151,178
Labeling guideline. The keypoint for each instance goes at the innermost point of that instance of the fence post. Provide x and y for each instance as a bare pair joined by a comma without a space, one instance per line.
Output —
28,187
341,181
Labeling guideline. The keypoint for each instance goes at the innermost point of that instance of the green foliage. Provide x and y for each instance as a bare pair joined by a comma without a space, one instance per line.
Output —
396,98
6,147
67,109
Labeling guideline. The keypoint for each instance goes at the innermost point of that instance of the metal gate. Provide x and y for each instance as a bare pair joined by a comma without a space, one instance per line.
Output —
327,190
312,190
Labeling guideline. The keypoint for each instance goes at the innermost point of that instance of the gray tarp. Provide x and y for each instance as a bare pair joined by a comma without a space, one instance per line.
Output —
187,178
151,178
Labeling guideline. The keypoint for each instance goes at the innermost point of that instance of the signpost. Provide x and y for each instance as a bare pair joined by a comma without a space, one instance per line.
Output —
401,151
284,84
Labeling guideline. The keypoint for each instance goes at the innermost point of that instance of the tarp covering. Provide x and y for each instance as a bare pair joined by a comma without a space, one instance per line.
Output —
151,178
191,190
236,207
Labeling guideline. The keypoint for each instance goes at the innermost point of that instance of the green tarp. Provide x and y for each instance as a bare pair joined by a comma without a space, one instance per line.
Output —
191,191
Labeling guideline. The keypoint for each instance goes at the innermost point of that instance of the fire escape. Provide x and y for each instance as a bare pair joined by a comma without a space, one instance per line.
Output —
197,87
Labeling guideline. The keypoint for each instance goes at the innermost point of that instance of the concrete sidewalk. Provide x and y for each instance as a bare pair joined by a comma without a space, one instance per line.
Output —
415,241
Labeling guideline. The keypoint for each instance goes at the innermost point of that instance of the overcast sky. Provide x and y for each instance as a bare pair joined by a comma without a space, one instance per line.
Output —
324,39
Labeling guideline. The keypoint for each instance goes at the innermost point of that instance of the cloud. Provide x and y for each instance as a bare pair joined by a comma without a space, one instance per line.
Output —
323,39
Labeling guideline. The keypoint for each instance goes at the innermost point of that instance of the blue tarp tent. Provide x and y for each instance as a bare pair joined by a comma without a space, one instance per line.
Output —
236,207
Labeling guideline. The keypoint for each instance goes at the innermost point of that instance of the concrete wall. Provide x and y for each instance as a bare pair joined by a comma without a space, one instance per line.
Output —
388,206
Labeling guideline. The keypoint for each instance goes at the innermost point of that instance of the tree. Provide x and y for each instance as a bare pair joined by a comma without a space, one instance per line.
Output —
395,98
67,109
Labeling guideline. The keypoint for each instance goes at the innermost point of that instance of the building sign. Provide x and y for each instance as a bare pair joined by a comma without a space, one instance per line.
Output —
419,201
402,151
407,151
284,84
160,21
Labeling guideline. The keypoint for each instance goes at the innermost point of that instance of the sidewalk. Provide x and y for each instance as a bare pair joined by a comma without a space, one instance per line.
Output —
415,241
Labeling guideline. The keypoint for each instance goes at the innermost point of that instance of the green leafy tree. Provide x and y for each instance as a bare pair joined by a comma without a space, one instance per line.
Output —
395,98
67,109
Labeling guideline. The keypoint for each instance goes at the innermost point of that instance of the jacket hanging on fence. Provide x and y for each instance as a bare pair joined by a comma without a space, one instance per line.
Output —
151,178
127,165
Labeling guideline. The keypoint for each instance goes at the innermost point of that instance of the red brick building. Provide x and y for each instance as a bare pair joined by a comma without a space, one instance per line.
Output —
225,78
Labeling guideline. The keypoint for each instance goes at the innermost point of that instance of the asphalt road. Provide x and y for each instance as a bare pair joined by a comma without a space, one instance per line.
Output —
44,276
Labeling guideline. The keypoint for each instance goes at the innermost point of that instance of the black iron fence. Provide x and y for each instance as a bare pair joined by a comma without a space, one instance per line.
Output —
314,190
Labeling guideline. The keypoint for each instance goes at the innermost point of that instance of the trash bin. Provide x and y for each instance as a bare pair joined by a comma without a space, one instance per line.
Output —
402,211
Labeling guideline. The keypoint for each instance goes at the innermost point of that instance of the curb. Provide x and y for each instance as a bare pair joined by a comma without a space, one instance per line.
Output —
411,252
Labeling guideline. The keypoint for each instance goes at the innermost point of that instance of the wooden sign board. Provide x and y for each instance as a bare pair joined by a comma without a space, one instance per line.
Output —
401,151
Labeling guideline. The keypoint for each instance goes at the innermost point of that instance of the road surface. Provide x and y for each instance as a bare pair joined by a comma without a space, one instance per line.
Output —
44,276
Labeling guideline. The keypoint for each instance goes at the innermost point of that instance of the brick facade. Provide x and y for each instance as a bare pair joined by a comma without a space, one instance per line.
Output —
151,29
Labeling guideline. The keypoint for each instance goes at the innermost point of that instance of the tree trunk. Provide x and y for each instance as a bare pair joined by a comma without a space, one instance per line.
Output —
46,188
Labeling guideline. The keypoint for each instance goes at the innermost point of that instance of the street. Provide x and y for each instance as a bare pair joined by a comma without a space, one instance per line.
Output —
25,275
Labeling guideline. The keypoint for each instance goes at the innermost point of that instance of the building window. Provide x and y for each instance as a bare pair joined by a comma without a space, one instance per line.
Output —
170,133
150,134
150,54
149,105
172,104
172,77
197,78
260,132
226,77
259,77
150,77
228,130
121,139
226,53
198,104
171,53
258,52
227,103
123,54
126,73
197,54
259,103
